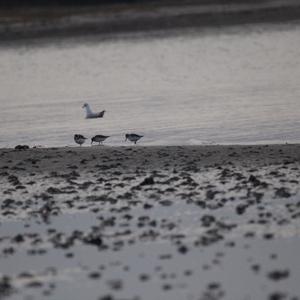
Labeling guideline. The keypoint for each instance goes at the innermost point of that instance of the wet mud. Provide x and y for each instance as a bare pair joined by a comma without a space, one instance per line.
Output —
196,222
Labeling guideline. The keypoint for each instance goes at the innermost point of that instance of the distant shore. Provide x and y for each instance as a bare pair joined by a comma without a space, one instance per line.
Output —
109,20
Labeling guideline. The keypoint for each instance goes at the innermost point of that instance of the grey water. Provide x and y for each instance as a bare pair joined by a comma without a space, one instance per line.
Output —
234,85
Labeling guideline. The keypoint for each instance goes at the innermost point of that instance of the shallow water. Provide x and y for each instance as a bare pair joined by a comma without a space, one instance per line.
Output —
239,85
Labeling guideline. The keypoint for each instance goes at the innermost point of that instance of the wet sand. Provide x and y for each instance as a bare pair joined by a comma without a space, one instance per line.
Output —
194,222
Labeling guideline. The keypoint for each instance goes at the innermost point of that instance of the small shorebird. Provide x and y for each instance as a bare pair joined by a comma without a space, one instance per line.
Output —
132,137
99,138
90,114
79,139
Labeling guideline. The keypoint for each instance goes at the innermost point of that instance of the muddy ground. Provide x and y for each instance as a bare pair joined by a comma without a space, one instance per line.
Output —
195,222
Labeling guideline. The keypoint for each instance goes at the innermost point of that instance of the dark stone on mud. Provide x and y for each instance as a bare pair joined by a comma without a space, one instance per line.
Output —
115,284
94,275
213,286
7,203
97,241
106,297
147,206
153,223
230,244
255,268
7,213
85,185
210,237
207,220
20,187
19,238
148,181
34,284
254,180
225,173
166,287
25,275
73,167
268,236
249,234
14,180
277,275
53,190
183,249
43,196
200,203
8,251
128,217
241,208
21,147
277,296
283,193
257,196
144,277
165,256
5,286
111,221
211,194
166,202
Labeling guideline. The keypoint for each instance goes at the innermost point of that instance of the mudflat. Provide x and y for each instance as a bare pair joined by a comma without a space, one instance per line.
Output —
192,222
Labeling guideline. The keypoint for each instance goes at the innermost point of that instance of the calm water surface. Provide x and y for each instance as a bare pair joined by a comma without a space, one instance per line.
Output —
238,85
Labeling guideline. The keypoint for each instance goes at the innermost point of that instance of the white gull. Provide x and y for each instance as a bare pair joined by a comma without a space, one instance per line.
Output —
90,114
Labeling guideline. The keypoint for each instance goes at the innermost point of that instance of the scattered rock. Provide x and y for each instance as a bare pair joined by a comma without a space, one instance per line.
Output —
148,181
53,190
277,275
165,202
277,296
207,220
6,287
21,147
254,180
183,249
283,193
94,275
241,208
115,284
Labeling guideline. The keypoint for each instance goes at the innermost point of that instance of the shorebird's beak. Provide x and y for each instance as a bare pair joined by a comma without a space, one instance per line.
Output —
91,142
